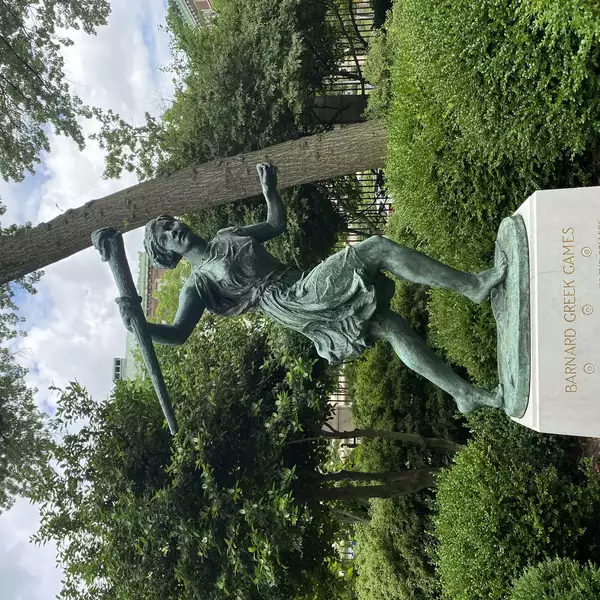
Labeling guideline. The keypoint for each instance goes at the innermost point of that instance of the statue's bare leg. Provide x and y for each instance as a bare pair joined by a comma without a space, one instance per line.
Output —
382,254
416,355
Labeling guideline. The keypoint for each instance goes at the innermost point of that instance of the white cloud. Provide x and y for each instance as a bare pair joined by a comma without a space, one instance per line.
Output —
74,326
26,572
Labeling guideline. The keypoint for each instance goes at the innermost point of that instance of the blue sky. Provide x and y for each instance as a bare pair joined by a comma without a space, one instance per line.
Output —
74,329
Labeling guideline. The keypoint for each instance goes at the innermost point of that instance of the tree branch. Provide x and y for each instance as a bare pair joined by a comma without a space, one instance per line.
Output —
360,493
385,476
313,158
352,517
27,65
355,26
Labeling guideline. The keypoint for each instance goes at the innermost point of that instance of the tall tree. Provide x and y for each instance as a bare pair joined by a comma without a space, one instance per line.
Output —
312,158
225,509
34,92
23,436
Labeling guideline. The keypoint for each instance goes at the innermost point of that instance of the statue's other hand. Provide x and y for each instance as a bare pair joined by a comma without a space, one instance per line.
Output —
128,307
267,174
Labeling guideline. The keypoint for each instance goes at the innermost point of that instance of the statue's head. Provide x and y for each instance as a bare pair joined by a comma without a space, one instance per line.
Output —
166,240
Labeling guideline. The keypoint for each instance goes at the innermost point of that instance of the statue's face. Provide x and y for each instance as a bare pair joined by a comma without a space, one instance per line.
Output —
174,235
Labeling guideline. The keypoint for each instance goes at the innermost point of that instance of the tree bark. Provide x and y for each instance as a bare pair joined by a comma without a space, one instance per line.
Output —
347,516
340,152
410,438
423,479
386,476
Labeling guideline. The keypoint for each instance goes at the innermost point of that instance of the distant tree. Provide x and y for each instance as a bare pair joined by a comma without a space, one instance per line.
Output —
243,83
34,92
23,436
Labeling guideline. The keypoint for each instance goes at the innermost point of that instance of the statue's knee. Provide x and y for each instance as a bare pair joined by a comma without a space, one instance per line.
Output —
372,247
377,240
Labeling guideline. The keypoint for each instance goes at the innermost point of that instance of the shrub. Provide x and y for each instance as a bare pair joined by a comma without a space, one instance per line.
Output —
491,101
377,71
558,579
512,499
391,560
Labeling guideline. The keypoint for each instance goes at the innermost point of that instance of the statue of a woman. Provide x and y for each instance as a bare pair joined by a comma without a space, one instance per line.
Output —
342,305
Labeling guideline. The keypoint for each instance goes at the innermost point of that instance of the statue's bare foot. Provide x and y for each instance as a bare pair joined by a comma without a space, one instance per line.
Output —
489,279
478,398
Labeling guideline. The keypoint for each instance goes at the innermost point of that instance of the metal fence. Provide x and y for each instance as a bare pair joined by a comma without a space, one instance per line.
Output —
367,212
365,202
355,21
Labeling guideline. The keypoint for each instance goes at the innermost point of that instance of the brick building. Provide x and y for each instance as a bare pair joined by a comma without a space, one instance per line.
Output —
195,12
148,283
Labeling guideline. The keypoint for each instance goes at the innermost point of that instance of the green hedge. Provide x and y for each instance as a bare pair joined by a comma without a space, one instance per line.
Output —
491,101
513,498
391,560
558,579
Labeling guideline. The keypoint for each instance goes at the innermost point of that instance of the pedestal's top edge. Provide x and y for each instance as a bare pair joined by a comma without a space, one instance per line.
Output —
564,191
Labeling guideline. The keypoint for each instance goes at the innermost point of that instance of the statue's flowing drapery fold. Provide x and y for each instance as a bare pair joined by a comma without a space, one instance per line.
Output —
332,304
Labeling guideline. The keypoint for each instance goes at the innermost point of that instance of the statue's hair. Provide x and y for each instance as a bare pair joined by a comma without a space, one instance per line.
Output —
159,256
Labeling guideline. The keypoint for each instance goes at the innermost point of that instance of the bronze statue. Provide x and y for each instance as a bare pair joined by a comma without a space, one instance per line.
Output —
342,305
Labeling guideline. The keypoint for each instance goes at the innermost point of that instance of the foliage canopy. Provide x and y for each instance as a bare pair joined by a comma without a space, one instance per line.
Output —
241,84
210,513
34,91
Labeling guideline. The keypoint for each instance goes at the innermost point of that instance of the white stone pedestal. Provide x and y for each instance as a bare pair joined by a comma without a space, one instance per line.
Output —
563,228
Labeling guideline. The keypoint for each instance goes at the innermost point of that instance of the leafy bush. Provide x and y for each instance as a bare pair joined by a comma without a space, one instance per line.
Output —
512,499
377,71
244,83
558,579
391,557
491,101
248,78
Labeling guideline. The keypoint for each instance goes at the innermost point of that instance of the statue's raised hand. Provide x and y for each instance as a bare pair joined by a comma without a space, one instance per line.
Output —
129,309
267,174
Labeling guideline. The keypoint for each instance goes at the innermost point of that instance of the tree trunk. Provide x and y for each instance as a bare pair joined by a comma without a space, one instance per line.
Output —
340,152
411,438
346,516
421,479
387,476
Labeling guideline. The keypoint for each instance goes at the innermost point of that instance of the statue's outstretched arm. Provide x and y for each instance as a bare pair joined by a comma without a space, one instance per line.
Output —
188,314
276,218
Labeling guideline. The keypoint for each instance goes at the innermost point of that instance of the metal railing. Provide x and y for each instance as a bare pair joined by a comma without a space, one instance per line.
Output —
355,21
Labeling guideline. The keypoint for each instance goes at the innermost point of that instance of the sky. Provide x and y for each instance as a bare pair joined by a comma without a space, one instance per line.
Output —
74,329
